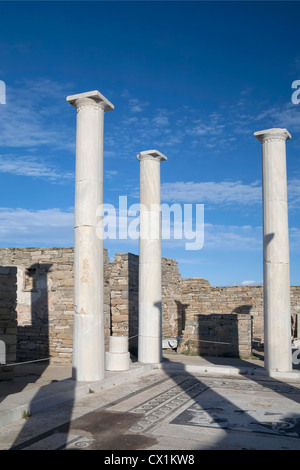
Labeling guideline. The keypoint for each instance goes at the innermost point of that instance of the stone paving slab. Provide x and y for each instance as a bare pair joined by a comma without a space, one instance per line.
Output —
48,392
176,405
168,410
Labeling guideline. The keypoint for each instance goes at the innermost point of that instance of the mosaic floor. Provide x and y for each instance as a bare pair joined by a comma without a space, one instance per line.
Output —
161,409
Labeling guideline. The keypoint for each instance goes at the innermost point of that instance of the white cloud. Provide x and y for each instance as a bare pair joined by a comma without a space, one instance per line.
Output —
136,106
54,226
286,116
251,283
162,118
223,192
232,237
222,237
34,115
32,167
111,173
200,128
294,193
294,233
24,227
247,283
235,193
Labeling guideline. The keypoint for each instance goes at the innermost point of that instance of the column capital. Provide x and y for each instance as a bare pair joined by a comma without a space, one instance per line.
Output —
270,135
151,155
90,98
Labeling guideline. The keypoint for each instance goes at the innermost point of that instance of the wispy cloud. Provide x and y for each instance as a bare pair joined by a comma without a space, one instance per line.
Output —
232,237
294,193
294,239
247,283
110,173
251,283
287,115
222,192
135,105
24,227
161,118
33,167
226,193
54,226
226,128
34,116
201,128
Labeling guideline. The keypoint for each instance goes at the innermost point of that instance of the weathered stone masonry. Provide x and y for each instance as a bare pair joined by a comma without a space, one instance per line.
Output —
8,318
200,299
36,306
41,300
44,301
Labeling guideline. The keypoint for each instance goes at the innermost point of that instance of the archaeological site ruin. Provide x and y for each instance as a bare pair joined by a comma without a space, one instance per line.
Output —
75,305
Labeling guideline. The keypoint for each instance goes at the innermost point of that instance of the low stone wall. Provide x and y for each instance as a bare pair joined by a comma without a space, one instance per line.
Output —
295,307
122,280
199,296
218,335
171,305
44,302
8,320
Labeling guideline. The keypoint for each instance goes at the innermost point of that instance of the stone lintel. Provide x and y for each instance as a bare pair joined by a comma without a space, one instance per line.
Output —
95,95
272,134
151,155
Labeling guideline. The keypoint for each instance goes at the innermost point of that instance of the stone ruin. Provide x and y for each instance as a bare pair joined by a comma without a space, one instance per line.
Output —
37,308
103,302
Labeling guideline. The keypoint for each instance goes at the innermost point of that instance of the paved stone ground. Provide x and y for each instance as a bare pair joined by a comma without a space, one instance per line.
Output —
169,411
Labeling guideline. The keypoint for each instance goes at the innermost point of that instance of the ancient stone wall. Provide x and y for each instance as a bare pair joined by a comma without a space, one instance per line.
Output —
295,307
122,279
44,292
8,320
198,297
219,320
44,301
36,306
218,335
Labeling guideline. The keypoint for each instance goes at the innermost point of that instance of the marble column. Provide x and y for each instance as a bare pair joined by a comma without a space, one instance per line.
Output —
150,296
277,310
88,337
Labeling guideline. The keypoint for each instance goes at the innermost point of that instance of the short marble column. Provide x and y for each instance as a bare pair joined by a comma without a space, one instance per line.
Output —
88,338
150,296
277,310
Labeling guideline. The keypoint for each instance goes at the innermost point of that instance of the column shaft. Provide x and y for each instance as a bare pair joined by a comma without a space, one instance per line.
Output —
150,295
88,339
277,312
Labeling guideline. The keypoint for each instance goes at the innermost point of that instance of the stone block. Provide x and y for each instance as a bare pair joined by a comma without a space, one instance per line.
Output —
117,361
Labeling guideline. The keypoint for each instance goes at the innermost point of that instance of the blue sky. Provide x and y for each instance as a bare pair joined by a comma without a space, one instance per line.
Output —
193,80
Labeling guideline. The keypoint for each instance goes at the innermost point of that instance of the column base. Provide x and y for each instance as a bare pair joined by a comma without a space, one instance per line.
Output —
117,361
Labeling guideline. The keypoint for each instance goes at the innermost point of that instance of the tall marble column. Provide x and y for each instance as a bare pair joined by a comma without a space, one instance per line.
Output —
88,337
150,296
277,311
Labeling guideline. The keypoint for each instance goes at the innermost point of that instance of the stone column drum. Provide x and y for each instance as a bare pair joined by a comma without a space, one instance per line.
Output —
88,336
277,310
118,356
150,296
